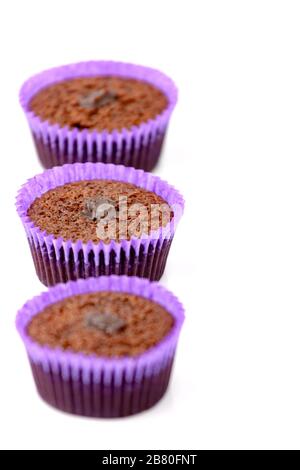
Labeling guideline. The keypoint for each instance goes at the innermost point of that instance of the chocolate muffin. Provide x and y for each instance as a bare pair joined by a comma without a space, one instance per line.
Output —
99,111
98,103
114,324
74,210
102,347
89,220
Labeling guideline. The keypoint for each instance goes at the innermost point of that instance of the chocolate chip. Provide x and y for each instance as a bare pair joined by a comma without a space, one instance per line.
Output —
96,99
106,322
98,208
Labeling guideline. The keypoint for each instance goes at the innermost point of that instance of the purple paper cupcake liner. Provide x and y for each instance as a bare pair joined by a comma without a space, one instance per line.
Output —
57,260
138,146
102,387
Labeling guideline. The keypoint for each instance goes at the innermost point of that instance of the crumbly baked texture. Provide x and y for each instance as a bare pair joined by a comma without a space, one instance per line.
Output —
70,211
99,103
102,323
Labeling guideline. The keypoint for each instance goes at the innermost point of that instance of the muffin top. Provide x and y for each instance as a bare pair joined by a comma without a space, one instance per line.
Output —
99,210
100,102
112,324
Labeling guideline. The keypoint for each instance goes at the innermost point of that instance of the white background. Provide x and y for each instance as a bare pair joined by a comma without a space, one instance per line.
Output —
233,151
